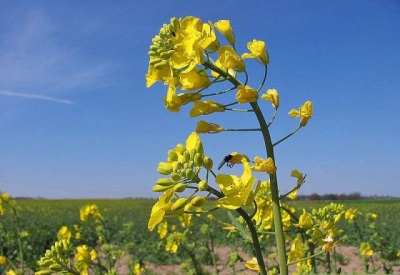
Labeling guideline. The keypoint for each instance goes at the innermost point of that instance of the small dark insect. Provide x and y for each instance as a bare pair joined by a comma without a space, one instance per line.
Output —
226,160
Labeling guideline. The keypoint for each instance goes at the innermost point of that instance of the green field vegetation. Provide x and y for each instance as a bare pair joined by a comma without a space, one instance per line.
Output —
127,226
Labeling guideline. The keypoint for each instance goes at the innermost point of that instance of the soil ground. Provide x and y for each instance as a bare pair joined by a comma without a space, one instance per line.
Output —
351,263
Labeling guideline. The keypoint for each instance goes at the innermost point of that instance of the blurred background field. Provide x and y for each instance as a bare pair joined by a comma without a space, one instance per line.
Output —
127,225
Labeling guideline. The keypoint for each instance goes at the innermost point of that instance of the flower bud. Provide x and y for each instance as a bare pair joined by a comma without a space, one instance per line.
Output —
190,174
164,182
198,201
153,53
180,187
164,168
208,163
160,188
44,272
203,185
179,204
172,155
175,177
55,267
186,155
198,159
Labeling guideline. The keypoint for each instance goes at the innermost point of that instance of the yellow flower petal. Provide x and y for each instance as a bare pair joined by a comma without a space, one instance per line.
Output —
224,27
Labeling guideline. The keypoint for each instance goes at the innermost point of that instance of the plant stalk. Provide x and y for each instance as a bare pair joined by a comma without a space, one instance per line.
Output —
279,235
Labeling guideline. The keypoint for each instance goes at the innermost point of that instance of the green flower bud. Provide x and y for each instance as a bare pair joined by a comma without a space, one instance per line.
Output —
156,39
56,267
179,204
180,187
198,201
190,174
160,188
167,54
172,155
208,163
203,185
164,168
198,159
153,53
46,263
186,155
193,152
164,182
175,23
43,272
161,64
175,176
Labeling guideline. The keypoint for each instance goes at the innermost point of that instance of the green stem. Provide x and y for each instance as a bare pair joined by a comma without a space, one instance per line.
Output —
282,139
306,258
279,235
21,253
253,232
256,242
242,130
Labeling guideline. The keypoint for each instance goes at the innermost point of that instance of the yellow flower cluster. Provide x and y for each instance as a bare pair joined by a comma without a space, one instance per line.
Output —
183,165
180,57
89,210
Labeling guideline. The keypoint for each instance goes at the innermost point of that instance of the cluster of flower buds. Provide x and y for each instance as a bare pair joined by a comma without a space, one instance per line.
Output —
55,258
163,46
183,165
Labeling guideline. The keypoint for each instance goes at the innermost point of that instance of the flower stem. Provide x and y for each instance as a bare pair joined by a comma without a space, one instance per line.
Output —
282,139
279,235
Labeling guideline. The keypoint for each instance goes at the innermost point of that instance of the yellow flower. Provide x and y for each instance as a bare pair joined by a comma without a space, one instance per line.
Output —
264,165
246,94
84,258
236,190
3,260
163,204
157,74
305,112
64,234
299,176
175,102
78,235
229,59
224,27
162,229
11,272
190,41
208,127
205,108
258,51
329,244
252,264
93,255
173,242
292,195
305,221
296,249
194,79
350,214
5,197
366,250
24,234
87,210
272,96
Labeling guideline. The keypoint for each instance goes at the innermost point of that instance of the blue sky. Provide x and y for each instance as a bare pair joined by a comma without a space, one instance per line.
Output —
76,119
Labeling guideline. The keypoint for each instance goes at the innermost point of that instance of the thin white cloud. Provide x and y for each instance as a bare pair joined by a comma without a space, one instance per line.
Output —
33,56
35,96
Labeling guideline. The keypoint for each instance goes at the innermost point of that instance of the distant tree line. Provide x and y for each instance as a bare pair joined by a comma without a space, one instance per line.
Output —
338,197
